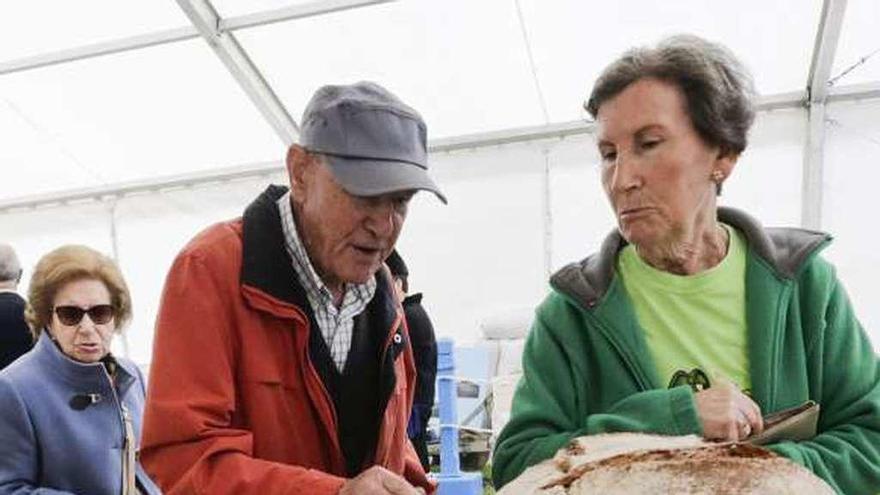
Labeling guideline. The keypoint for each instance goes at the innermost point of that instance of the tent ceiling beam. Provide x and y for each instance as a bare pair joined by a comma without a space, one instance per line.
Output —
814,162
320,7
99,49
301,11
205,18
824,49
110,192
781,101
854,92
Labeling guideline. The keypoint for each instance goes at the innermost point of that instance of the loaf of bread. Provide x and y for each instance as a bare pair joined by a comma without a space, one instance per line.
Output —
634,463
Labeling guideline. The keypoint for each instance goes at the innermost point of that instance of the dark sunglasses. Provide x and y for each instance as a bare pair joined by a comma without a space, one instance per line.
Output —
72,315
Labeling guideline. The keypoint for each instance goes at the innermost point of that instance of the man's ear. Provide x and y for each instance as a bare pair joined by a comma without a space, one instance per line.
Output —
297,169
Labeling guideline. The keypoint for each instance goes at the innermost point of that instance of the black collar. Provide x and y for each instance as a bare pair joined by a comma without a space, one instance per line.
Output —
266,264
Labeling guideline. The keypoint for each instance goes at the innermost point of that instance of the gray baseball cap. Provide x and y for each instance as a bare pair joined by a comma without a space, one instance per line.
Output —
374,143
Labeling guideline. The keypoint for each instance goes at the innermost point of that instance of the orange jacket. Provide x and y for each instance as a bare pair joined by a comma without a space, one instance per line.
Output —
234,403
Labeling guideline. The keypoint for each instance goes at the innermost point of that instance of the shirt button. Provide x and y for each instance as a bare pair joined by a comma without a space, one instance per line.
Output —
397,338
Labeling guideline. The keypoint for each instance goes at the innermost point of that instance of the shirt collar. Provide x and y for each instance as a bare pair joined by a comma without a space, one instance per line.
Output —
301,260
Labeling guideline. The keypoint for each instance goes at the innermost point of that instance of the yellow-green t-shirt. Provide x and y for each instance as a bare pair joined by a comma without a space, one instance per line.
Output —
693,322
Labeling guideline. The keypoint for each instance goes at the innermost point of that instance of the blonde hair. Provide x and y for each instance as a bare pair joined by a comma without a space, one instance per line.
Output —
68,264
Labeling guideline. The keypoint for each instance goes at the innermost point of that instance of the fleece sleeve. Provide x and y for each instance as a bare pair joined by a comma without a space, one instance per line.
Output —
550,406
846,382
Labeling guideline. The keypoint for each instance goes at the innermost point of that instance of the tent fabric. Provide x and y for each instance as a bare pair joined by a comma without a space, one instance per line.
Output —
517,211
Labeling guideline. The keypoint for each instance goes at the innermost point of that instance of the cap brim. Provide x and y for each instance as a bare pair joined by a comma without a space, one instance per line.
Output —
367,177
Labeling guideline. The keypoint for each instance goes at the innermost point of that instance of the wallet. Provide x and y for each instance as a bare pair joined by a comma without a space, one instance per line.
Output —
795,424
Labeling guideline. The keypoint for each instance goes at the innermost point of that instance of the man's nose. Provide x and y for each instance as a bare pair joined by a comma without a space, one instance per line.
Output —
381,218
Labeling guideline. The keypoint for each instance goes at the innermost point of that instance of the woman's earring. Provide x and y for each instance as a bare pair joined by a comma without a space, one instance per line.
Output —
718,179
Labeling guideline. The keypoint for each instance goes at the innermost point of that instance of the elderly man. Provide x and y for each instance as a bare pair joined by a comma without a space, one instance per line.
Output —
15,336
282,363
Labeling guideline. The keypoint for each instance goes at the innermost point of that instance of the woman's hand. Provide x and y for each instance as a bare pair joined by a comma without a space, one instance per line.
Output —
727,414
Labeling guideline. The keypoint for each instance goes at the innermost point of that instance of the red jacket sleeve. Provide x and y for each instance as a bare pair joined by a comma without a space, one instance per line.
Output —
190,444
414,473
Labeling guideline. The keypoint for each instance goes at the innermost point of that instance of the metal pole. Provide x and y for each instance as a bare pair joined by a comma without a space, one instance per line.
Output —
452,481
814,163
547,204
449,462
205,18
114,245
827,36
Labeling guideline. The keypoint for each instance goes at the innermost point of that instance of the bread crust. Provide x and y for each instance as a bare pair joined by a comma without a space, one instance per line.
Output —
633,463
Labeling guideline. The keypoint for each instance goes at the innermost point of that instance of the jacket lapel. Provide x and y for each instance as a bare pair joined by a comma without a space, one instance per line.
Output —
766,299
627,337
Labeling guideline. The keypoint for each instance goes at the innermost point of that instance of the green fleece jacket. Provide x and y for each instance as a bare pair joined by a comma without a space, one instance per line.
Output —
587,368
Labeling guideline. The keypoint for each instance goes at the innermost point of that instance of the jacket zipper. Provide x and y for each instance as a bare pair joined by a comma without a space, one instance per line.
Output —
777,346
123,419
642,381
392,332
329,402
310,367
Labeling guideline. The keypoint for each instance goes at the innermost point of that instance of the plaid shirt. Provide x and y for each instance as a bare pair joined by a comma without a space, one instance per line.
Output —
336,324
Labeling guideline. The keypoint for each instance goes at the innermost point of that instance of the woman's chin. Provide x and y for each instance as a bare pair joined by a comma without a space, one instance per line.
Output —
636,235
642,233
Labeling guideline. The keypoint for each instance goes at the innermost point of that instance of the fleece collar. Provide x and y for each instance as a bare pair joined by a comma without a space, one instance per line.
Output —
785,250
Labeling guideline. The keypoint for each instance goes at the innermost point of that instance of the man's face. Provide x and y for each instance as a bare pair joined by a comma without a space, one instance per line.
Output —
347,237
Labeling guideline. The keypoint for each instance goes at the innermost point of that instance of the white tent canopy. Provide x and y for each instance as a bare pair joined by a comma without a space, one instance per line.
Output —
129,126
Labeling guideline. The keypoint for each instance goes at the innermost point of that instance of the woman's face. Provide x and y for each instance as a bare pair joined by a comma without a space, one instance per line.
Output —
87,340
656,170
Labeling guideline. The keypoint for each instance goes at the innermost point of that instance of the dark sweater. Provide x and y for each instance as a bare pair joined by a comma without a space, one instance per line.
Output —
424,345
15,337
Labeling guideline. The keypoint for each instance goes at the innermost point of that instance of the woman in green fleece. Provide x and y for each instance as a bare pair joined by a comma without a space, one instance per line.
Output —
692,319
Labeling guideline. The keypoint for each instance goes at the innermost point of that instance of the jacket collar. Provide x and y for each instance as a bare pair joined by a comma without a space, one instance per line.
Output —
266,265
785,250
80,375
413,299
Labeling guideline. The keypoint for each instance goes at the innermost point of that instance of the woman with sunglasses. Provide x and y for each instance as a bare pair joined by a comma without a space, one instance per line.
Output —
70,411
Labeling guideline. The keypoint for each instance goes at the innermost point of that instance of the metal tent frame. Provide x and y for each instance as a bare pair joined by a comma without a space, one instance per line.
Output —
219,33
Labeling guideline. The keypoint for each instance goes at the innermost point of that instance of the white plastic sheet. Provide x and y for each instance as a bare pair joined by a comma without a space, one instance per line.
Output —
163,110
35,27
516,211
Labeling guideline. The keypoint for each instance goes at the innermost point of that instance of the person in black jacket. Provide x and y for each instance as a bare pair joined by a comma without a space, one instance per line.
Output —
15,336
424,346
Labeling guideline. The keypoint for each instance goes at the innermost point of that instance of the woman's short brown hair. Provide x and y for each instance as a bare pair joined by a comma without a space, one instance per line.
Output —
717,88
67,264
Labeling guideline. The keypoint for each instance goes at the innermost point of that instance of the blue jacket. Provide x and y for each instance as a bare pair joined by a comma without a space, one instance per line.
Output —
53,444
